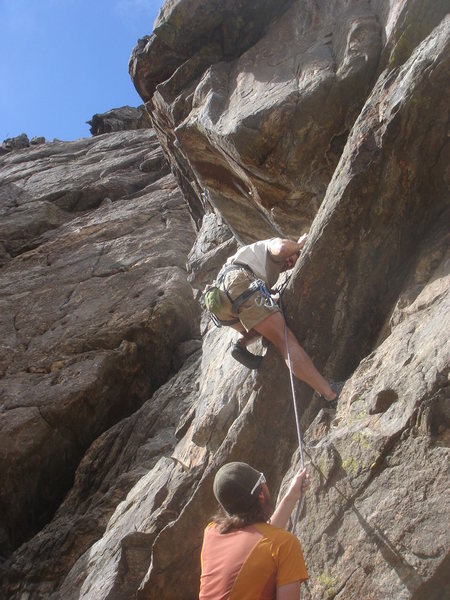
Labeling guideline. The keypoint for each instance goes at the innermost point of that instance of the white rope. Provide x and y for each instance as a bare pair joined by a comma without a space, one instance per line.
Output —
297,420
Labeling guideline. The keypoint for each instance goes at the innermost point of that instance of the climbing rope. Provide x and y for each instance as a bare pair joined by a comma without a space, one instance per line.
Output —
297,419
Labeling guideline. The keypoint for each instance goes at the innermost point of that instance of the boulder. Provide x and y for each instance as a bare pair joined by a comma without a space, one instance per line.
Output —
120,119
37,140
16,143
185,27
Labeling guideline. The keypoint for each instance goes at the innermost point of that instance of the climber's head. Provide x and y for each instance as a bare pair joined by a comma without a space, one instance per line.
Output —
290,261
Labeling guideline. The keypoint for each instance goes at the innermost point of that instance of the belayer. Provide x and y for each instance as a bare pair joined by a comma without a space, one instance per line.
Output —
240,298
246,551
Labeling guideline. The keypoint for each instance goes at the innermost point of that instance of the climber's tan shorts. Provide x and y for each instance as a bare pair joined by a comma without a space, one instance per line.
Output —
250,313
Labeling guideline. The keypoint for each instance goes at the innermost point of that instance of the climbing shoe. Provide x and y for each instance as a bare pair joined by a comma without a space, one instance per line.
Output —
246,358
336,386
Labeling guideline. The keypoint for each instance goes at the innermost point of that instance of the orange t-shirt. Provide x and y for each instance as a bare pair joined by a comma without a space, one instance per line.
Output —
249,563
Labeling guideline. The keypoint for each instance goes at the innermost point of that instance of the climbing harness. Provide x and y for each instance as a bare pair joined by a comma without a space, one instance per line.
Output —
265,297
212,295
297,419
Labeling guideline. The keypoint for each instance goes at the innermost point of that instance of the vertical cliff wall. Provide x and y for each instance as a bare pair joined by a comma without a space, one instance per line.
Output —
277,118
94,238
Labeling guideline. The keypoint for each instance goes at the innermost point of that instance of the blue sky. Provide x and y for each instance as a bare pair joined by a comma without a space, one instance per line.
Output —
62,61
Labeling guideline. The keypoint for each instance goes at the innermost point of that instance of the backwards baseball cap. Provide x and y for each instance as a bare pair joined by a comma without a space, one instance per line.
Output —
235,487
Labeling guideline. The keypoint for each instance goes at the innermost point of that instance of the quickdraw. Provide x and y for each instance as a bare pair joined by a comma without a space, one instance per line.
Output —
264,295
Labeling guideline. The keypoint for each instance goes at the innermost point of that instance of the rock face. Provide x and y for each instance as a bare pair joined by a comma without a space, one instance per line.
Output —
263,133
276,117
120,119
19,142
94,302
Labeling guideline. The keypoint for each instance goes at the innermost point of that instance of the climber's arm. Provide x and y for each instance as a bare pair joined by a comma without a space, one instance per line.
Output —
281,248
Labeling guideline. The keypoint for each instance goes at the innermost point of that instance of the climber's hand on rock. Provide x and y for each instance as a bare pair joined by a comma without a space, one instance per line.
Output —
302,240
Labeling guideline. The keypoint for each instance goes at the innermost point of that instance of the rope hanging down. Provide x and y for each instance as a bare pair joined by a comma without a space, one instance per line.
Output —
297,419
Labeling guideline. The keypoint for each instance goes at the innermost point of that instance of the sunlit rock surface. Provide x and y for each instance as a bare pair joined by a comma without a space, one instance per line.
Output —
94,301
120,119
276,118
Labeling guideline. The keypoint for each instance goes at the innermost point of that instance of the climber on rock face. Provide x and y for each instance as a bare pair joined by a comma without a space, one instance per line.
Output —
243,556
241,300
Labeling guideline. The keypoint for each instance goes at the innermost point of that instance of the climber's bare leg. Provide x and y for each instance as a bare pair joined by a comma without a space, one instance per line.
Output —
272,328
248,337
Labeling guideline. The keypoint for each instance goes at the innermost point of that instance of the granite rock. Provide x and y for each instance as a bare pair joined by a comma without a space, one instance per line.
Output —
329,117
94,302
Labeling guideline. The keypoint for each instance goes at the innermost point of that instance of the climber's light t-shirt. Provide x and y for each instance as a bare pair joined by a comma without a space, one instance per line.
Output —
249,563
257,256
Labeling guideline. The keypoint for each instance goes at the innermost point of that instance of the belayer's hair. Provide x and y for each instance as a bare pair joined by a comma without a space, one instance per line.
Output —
226,523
